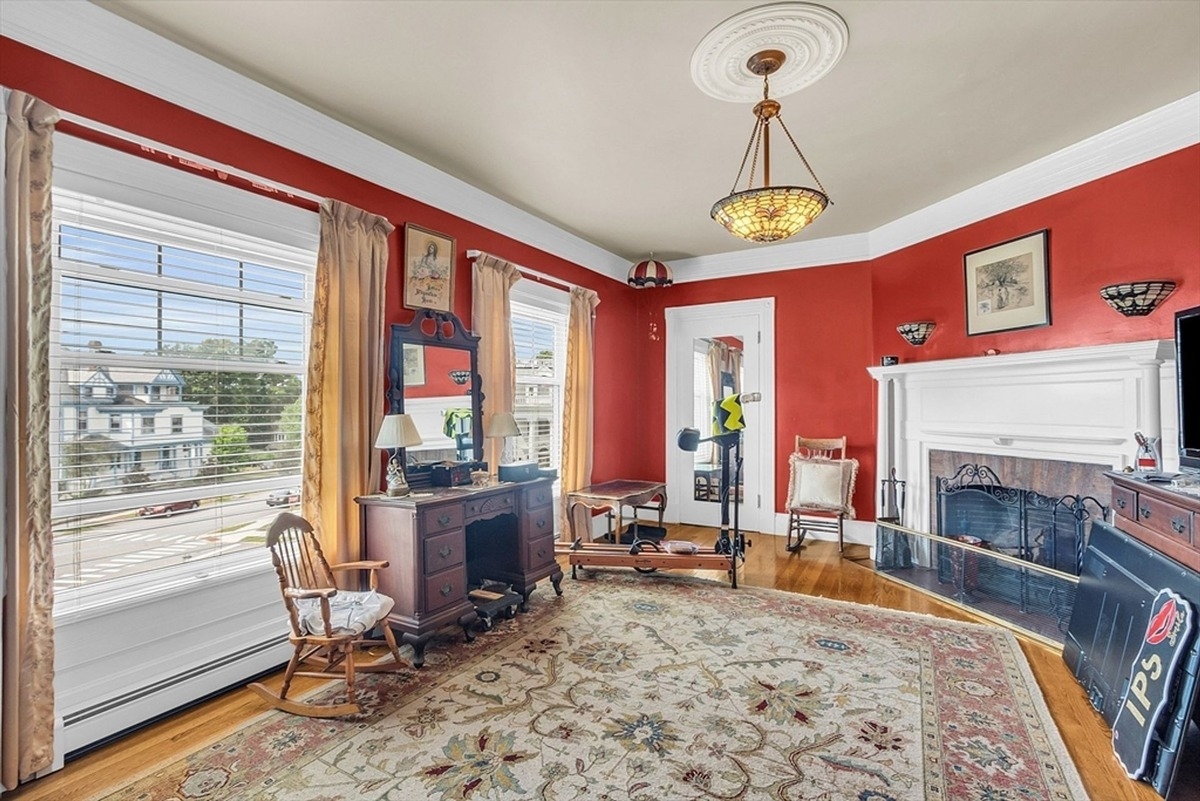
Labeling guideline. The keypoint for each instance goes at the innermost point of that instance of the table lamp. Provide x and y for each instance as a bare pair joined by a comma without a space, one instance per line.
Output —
503,425
395,432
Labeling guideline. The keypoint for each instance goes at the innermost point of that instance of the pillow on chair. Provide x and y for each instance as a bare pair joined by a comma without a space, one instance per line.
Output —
822,484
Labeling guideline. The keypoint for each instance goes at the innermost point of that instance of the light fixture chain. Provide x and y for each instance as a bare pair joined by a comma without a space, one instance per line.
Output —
758,128
746,155
802,158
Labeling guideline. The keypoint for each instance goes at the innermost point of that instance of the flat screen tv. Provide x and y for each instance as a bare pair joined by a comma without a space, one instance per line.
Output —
1187,369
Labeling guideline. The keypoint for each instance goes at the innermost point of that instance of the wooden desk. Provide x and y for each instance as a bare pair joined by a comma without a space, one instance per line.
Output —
615,495
443,542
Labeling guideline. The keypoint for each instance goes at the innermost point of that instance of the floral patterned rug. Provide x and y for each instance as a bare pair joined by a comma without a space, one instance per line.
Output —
664,687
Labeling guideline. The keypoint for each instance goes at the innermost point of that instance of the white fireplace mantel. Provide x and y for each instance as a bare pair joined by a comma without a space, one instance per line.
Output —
1071,404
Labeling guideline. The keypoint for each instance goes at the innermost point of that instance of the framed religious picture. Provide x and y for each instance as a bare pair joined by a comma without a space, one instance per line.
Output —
414,365
1008,286
428,269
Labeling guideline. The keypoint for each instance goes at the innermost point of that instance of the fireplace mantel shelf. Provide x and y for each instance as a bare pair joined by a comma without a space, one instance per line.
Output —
1009,439
1147,351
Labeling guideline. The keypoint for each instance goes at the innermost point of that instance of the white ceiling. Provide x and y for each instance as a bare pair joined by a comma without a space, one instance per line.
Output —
583,112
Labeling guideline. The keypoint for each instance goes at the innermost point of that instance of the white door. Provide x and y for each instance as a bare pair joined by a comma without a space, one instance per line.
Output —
689,328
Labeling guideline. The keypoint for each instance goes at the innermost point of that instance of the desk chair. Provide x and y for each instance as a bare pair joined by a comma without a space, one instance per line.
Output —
327,624
820,489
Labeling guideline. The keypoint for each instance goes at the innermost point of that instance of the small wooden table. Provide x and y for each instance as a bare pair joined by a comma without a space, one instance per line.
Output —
616,495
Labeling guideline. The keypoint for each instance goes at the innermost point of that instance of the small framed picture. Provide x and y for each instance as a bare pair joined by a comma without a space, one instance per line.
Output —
428,269
414,365
1008,286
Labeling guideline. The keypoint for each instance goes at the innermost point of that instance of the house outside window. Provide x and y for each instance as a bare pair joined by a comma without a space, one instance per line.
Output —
81,420
209,328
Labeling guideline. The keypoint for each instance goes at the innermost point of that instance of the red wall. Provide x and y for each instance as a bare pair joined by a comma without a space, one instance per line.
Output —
88,94
831,322
822,347
1143,222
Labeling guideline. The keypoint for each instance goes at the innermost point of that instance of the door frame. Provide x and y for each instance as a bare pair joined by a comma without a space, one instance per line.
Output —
754,321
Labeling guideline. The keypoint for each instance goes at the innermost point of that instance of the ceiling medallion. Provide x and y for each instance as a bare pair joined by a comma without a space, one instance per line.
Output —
812,39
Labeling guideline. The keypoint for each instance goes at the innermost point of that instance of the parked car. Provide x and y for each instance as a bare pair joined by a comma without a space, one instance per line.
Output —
168,509
284,497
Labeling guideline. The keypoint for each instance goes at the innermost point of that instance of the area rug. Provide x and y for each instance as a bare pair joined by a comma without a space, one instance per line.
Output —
664,687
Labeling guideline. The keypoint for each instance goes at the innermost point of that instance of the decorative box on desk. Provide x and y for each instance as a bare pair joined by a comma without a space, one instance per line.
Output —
519,471
455,474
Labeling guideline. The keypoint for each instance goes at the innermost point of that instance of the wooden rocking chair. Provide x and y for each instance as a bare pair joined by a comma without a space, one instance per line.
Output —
328,624
820,489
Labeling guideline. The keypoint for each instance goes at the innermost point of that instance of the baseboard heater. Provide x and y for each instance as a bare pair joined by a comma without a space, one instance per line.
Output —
133,696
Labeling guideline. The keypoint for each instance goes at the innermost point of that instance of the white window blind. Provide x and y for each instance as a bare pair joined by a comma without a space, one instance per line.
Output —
178,356
539,326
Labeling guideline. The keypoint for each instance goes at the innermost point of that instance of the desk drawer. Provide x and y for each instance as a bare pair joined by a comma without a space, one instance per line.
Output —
444,588
1124,502
537,497
478,508
537,523
441,518
1165,518
539,552
444,551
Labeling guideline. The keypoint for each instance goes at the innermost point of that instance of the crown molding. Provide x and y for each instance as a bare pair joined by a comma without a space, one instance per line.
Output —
90,37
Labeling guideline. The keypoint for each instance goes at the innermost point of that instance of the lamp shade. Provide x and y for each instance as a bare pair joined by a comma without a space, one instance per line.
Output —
503,424
650,273
1137,299
397,431
769,214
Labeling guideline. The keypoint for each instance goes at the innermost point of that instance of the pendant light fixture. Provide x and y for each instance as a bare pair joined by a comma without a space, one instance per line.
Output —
768,213
786,46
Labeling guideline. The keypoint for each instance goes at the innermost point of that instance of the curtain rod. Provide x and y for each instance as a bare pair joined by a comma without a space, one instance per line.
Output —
527,272
103,135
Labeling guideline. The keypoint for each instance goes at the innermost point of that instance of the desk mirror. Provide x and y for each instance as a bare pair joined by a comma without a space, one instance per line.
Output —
433,376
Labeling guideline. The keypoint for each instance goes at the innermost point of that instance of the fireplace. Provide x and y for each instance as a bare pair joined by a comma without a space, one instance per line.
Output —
1067,415
1047,422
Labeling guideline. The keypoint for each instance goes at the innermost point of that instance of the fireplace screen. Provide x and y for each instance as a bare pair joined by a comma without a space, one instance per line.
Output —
1009,553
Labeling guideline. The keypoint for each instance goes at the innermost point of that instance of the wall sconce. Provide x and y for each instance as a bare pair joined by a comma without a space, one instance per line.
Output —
916,333
460,377
1137,299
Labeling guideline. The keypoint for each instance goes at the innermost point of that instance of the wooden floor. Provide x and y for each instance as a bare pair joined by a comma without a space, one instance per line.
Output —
816,570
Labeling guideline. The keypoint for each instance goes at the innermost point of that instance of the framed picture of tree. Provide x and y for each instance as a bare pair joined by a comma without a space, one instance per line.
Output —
1008,285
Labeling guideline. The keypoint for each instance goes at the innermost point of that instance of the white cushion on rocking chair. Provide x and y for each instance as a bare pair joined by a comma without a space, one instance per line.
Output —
349,612
822,484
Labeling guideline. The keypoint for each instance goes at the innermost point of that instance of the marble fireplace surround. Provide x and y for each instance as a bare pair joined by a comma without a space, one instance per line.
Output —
1072,404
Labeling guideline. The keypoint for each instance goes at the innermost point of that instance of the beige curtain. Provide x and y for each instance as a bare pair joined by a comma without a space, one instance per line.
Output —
578,403
491,321
28,651
344,402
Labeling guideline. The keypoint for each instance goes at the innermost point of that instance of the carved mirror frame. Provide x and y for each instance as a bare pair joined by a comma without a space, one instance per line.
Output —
437,329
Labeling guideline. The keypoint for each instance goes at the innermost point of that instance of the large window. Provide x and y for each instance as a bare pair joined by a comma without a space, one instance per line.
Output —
539,325
191,340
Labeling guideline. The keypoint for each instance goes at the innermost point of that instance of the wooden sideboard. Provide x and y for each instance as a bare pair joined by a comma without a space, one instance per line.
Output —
1165,518
446,541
